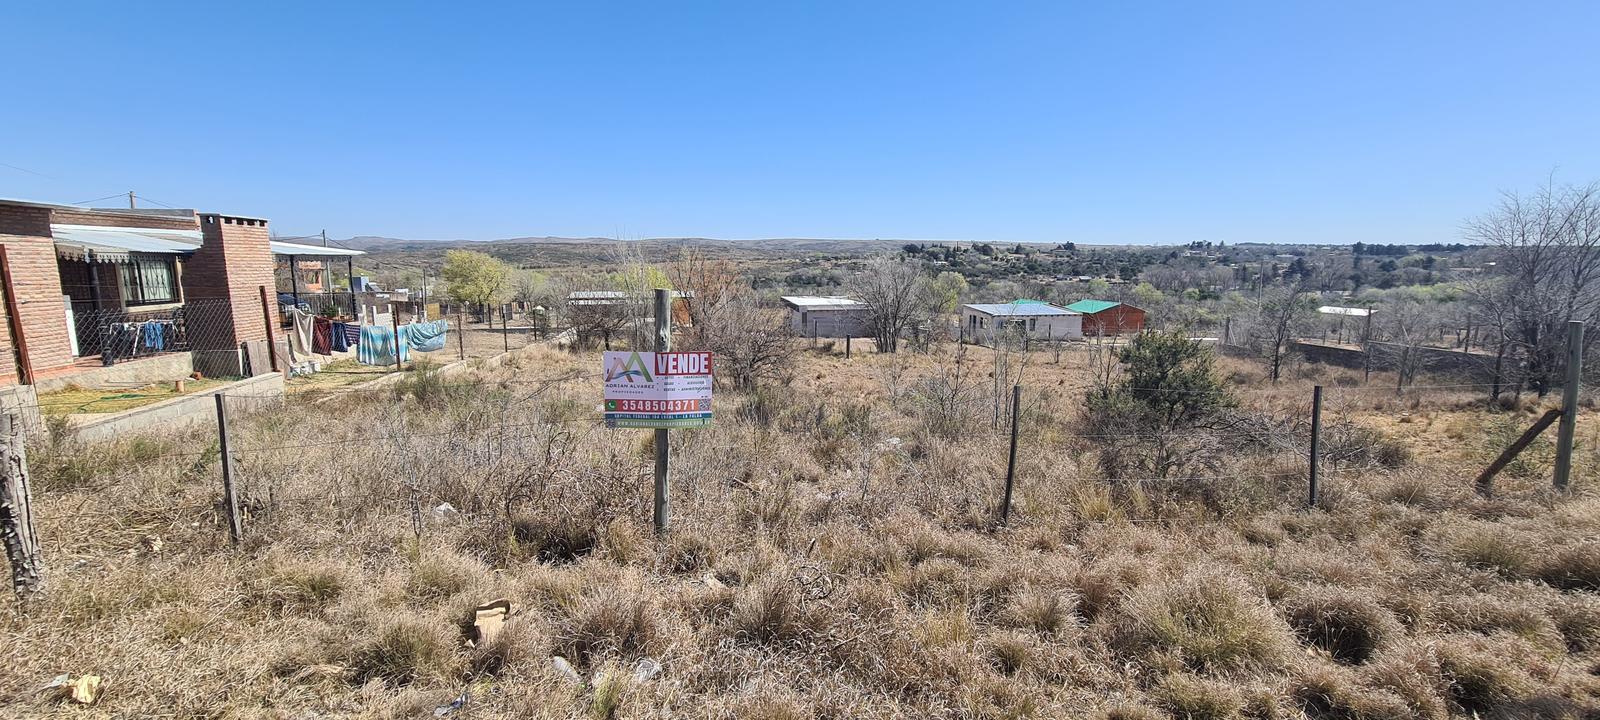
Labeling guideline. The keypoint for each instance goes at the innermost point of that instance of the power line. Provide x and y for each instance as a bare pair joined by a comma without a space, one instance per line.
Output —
108,197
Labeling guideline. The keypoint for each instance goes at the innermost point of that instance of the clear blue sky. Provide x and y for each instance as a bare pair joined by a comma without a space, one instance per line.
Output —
1125,122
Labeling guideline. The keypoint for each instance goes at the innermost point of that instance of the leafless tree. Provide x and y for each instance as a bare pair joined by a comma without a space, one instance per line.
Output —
1282,313
1546,271
751,343
893,288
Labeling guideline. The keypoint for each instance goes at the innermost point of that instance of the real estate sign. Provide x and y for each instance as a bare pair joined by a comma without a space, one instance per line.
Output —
657,389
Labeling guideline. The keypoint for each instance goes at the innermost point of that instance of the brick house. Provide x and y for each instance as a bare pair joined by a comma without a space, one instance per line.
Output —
80,286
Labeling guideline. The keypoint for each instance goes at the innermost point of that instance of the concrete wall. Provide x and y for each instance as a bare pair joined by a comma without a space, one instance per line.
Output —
154,369
828,322
1478,367
981,327
194,409
23,400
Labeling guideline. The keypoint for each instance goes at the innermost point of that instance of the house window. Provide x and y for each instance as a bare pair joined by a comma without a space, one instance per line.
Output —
148,280
982,322
1033,324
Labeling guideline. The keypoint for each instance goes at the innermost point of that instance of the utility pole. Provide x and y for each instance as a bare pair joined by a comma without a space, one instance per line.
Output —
1569,404
130,200
663,503
324,238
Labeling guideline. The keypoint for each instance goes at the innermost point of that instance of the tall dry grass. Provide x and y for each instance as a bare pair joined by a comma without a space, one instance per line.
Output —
833,555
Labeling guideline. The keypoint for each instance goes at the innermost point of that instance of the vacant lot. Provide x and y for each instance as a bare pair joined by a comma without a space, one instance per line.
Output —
834,554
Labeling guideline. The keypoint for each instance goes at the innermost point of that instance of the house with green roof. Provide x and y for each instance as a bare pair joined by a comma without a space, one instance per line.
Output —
1106,317
1033,319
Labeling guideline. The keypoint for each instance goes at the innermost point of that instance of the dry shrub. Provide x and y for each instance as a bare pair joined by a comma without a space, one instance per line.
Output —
769,611
771,706
1128,711
1332,692
1578,619
1573,567
1488,614
611,619
403,650
517,643
302,585
1480,674
1343,623
1042,610
1009,652
1410,672
1209,618
435,577
689,551
1490,546
553,540
1196,698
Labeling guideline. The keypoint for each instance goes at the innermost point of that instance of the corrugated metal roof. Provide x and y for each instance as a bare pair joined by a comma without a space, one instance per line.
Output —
94,243
818,302
1022,308
1090,307
287,248
1336,310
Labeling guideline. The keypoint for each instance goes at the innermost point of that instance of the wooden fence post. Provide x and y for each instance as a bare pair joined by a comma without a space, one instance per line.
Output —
461,332
1316,442
1569,405
847,347
663,500
16,514
272,342
394,325
505,329
1011,462
230,501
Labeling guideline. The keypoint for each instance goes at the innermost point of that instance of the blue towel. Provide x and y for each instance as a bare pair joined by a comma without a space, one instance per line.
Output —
377,346
339,339
426,336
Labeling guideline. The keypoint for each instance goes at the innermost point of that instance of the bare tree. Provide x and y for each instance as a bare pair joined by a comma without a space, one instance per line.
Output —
751,343
893,289
1282,313
1546,271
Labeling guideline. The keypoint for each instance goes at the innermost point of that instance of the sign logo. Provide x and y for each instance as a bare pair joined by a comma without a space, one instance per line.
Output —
630,368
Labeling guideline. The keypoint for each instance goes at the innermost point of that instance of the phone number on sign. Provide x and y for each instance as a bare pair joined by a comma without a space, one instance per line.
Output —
620,405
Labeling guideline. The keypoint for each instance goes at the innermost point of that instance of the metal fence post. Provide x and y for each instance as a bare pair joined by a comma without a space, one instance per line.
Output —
505,329
394,325
229,500
1316,441
1011,462
461,332
663,501
1569,405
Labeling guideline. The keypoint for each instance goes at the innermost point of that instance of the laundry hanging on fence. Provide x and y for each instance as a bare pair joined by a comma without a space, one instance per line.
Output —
322,336
345,336
426,336
300,334
155,335
377,346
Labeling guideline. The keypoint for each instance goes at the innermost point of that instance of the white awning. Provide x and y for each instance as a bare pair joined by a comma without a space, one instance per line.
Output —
1336,310
94,243
287,248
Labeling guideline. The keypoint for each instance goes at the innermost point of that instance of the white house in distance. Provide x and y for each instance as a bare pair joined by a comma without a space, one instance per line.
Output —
828,317
1038,320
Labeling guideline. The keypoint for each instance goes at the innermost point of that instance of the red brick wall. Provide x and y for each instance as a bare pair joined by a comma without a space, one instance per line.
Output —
105,219
233,262
37,288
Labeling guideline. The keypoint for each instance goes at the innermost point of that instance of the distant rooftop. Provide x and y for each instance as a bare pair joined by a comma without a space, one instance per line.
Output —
1090,307
1015,308
812,301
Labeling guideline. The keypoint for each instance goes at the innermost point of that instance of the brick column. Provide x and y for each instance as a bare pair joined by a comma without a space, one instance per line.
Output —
221,284
25,231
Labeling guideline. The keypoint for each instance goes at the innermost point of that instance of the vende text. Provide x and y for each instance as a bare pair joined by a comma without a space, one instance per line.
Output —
683,363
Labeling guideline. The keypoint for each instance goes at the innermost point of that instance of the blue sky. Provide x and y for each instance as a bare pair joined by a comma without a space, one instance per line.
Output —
1105,123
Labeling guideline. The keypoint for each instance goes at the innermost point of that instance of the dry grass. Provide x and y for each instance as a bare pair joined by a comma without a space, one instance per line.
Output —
830,558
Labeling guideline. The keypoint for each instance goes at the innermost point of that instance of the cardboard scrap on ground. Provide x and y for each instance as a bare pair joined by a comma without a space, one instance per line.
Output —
84,690
488,619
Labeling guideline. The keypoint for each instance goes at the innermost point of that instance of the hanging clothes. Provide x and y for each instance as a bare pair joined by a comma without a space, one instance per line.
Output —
342,339
154,338
426,336
300,334
377,346
322,336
